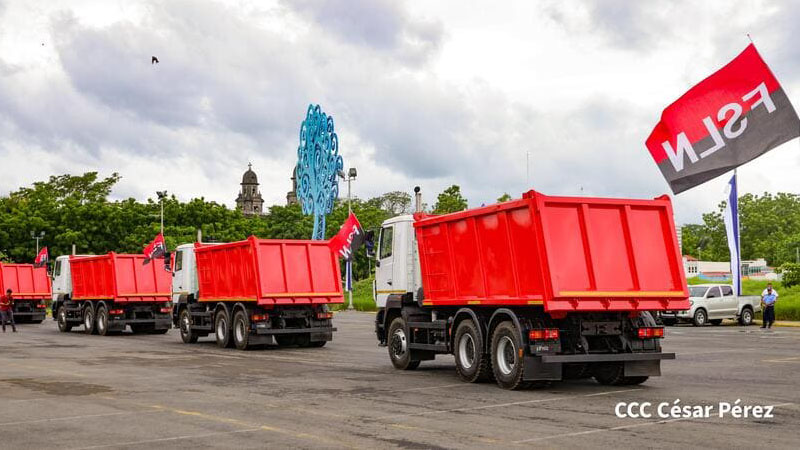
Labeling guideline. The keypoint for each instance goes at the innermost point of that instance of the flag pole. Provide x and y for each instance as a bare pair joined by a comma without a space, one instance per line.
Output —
738,231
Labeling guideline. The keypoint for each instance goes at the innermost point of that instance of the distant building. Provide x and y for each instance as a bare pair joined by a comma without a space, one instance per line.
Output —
291,196
249,201
721,270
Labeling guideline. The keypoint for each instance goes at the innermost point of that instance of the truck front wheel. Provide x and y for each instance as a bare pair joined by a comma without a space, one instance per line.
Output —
507,362
222,329
187,336
241,330
88,320
472,362
399,352
61,316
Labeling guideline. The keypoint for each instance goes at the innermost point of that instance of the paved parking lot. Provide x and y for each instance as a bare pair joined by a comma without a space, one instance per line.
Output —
77,391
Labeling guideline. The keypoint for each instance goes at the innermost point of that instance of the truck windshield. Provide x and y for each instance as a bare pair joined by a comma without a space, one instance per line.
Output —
697,291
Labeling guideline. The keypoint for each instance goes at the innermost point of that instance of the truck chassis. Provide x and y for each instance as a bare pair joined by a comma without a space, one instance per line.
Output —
106,317
244,324
29,311
497,343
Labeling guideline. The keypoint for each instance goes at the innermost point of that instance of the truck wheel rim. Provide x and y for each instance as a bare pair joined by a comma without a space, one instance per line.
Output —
101,323
506,356
399,344
185,324
62,316
88,319
239,331
466,351
221,329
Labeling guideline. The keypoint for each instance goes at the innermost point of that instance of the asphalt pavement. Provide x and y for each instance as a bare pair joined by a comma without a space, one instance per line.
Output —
70,390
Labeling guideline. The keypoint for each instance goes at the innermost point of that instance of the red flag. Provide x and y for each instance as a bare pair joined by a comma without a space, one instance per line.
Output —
349,238
155,249
41,258
735,115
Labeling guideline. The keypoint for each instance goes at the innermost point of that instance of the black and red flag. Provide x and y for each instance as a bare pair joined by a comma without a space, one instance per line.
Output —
155,249
735,115
349,238
41,258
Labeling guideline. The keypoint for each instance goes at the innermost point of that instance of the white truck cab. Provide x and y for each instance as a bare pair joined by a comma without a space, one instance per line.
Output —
184,273
62,278
397,268
713,303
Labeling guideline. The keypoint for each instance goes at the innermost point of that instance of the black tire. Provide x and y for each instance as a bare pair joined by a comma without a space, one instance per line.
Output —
472,362
746,317
507,364
88,320
185,324
286,340
241,330
317,344
101,322
669,322
576,371
700,318
397,342
716,322
222,329
610,373
630,381
61,318
159,331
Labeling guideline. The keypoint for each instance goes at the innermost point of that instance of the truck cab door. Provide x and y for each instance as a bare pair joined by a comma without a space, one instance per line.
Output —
179,276
384,272
62,284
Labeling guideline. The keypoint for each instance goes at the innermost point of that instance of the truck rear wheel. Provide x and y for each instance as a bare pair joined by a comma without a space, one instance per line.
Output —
102,321
472,362
399,352
88,320
507,363
241,330
187,335
222,329
61,317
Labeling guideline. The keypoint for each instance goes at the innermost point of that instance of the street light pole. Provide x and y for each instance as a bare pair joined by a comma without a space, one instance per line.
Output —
161,196
37,237
351,175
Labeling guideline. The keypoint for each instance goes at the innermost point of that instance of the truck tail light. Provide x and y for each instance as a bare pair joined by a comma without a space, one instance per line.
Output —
651,332
259,317
165,309
543,334
324,315
41,305
116,312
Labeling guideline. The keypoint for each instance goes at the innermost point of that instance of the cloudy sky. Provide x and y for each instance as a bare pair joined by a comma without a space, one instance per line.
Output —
427,93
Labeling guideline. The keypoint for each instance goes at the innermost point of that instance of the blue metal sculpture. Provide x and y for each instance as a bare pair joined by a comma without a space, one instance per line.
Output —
318,165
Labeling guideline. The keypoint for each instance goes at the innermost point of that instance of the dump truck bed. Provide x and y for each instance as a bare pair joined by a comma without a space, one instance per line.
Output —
27,282
269,272
565,253
123,278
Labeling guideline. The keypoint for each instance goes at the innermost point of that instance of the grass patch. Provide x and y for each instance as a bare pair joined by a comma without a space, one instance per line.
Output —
362,296
788,304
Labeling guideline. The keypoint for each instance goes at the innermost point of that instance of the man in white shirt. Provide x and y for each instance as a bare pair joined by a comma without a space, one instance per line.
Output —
769,286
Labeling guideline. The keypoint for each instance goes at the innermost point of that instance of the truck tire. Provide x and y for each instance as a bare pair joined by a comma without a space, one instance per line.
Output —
88,320
399,352
102,321
472,362
61,317
317,344
746,317
507,364
286,340
241,330
187,335
222,329
610,373
700,318
716,322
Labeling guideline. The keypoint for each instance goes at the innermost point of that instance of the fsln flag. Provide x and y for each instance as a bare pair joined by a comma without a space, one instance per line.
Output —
41,258
731,218
735,115
349,238
155,249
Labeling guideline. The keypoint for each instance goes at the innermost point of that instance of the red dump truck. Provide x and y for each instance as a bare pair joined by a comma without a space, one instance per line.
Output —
109,292
532,290
256,291
30,290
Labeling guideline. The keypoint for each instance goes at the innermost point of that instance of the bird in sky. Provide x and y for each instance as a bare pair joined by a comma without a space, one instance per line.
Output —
154,60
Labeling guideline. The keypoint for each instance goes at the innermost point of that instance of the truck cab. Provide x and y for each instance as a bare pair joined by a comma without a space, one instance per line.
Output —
397,267
62,281
184,274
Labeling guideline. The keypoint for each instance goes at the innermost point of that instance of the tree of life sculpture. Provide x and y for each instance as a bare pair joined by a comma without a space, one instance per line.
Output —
318,166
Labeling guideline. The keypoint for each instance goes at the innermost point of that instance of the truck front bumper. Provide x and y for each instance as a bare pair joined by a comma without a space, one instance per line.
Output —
548,367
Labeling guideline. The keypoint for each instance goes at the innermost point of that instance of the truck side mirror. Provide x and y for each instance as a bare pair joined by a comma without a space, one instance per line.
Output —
369,243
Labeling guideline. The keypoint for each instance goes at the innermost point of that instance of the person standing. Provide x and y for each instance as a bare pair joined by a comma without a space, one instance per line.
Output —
768,299
7,310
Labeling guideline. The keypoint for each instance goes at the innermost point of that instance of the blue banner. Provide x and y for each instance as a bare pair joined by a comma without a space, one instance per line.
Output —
731,218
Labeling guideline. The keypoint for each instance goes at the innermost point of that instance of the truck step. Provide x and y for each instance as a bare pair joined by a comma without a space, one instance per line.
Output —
433,347
435,325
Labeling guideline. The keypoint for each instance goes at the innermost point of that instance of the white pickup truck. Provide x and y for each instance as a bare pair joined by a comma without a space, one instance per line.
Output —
713,303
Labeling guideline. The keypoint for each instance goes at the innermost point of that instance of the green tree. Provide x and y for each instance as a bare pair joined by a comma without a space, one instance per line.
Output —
450,201
503,198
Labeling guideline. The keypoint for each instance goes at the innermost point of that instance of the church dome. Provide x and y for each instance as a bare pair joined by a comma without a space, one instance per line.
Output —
249,177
